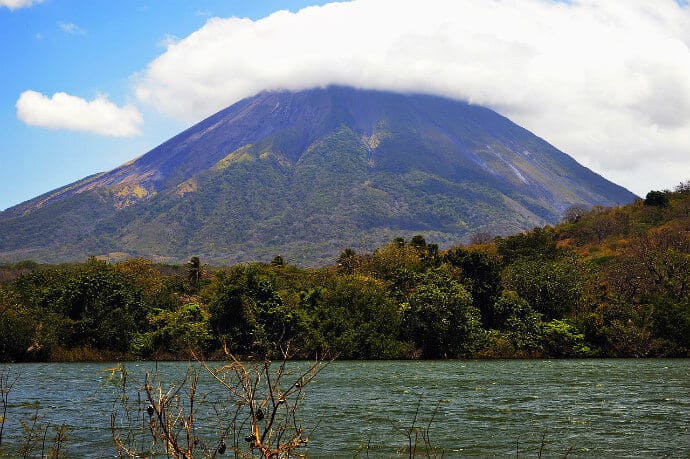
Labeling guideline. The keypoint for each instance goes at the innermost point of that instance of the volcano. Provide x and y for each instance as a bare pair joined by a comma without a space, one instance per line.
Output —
306,174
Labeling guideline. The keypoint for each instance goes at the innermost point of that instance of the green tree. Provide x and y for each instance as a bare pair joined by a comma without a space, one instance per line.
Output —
671,322
538,244
36,297
248,313
194,273
440,318
174,332
389,259
481,274
356,318
103,310
347,261
274,324
17,329
656,199
516,317
232,314
563,339
418,242
555,289
144,276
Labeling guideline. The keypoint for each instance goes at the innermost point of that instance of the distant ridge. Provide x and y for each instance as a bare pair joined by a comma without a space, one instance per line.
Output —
306,174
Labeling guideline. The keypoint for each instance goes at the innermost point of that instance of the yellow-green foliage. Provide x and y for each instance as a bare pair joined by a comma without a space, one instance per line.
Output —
188,186
243,154
132,190
609,230
380,134
127,194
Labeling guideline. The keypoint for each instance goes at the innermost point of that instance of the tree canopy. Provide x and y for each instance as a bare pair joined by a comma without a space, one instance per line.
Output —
613,282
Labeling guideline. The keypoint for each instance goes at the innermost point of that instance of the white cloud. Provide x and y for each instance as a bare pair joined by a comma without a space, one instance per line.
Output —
64,111
167,41
604,80
71,28
16,4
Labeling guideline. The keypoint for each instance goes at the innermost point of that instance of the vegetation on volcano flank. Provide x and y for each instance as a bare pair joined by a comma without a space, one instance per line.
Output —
611,282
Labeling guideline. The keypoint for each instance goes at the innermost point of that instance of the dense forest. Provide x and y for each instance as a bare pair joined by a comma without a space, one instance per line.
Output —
606,282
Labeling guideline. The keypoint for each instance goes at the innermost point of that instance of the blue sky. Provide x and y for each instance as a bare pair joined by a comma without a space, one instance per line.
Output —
108,42
88,85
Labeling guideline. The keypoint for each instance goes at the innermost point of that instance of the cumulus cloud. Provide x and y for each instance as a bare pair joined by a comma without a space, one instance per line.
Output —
16,4
604,80
64,111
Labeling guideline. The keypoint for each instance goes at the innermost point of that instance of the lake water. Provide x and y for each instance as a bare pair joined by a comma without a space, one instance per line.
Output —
493,408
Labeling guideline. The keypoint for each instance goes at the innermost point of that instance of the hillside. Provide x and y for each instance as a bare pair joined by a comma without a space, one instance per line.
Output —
306,174
563,291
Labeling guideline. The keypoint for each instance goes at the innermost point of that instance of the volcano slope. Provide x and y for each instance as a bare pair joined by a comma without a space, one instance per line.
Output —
306,174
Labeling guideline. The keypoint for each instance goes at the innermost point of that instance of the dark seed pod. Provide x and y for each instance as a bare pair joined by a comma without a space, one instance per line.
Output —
260,415
249,438
150,410
221,447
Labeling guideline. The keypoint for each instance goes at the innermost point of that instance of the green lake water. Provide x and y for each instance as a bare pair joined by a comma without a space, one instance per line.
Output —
491,408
